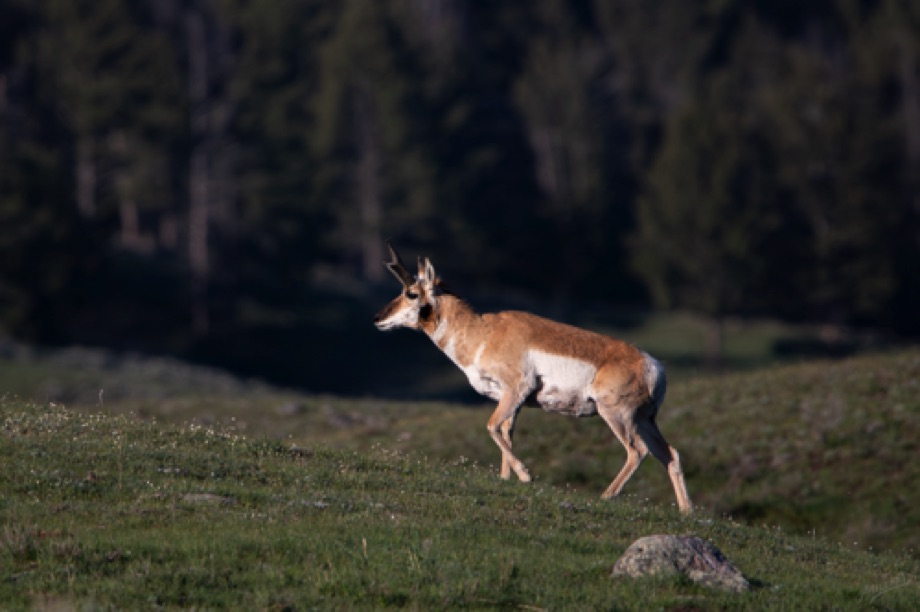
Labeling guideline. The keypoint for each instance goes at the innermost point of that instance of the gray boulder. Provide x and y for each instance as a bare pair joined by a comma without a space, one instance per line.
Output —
700,561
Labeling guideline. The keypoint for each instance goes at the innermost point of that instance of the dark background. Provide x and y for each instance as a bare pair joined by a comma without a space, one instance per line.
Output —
214,179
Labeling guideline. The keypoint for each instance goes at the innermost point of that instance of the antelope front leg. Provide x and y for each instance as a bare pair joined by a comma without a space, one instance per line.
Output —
507,429
500,428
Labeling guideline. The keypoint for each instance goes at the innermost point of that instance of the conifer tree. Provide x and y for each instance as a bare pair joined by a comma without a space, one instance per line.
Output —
706,210
377,175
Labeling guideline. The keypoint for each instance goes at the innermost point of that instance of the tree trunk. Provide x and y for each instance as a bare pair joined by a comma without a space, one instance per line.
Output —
198,211
86,176
368,182
198,239
169,231
910,86
130,236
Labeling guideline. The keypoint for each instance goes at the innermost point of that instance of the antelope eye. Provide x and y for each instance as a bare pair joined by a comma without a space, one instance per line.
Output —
411,295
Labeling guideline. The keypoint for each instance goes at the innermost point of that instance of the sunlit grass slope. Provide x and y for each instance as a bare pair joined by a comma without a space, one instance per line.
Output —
102,511
826,447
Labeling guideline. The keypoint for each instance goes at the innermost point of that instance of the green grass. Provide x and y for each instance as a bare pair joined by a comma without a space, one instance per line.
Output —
825,448
109,511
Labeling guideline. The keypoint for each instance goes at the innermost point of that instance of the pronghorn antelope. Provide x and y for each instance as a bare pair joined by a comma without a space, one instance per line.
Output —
517,357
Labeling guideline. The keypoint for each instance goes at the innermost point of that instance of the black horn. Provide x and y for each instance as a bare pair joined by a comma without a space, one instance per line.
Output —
395,265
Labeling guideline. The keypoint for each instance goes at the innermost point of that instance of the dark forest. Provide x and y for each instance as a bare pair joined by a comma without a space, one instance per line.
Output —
216,179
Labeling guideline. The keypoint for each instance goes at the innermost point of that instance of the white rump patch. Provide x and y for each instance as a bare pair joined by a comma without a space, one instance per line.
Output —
655,378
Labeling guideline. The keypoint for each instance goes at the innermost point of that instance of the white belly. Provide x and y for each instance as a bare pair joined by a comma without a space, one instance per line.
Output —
563,384
555,382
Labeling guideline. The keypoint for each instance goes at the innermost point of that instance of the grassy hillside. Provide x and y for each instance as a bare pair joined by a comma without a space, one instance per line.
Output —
826,448
108,511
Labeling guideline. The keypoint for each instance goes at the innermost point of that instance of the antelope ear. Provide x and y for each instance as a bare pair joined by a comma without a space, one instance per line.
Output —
429,275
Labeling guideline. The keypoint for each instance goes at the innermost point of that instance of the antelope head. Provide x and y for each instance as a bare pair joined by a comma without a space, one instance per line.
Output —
418,300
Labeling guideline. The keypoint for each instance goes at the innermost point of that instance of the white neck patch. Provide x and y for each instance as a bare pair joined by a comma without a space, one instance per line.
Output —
439,331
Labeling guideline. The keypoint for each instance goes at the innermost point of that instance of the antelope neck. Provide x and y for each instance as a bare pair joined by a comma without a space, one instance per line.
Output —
456,330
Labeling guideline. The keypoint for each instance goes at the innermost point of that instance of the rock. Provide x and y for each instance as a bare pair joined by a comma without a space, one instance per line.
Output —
690,556
207,498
